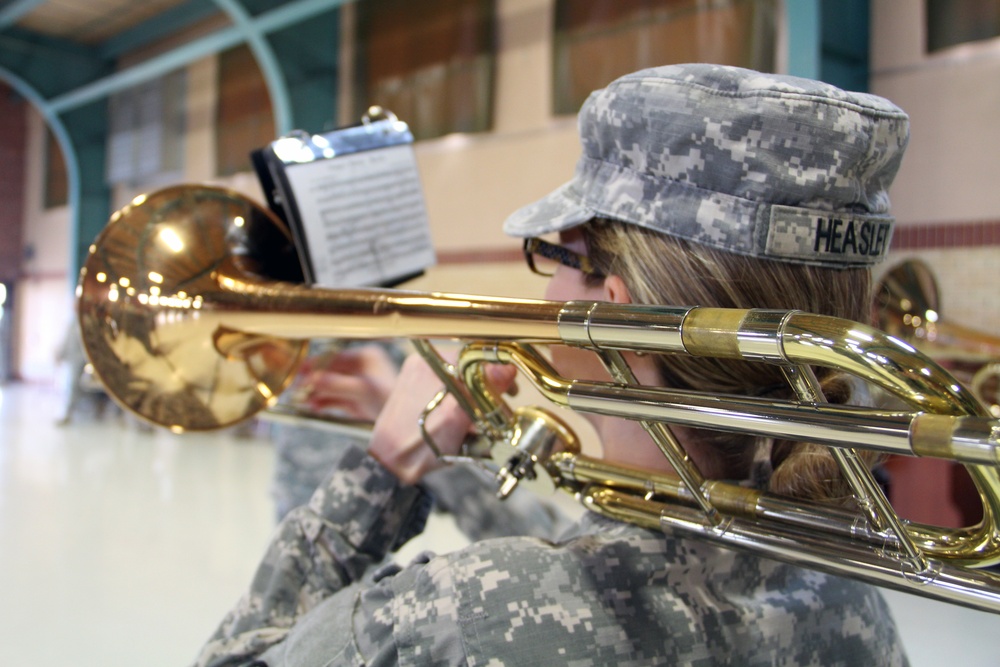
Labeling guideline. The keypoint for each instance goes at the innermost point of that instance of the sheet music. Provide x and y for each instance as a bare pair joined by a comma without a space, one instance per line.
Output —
364,216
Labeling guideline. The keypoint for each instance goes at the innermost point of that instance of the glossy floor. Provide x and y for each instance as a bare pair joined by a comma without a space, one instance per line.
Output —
124,547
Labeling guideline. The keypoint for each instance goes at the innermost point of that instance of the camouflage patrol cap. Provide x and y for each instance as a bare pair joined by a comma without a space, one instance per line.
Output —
758,164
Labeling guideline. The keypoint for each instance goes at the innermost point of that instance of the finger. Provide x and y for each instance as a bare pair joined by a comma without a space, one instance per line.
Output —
356,397
369,359
501,378
396,439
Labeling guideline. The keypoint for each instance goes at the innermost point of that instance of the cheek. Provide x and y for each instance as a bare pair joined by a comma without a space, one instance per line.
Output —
568,284
576,364
558,288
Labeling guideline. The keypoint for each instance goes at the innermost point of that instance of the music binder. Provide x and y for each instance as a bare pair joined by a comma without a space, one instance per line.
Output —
353,201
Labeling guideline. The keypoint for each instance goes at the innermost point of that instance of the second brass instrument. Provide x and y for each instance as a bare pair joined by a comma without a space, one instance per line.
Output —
193,317
908,305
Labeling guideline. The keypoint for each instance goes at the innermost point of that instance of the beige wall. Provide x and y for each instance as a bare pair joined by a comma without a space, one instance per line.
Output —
472,182
950,172
952,98
43,301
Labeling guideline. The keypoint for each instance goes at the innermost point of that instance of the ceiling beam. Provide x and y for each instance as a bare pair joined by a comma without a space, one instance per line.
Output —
13,12
164,24
147,70
270,21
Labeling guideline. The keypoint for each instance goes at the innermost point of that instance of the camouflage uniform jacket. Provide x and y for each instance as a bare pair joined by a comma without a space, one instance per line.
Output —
613,594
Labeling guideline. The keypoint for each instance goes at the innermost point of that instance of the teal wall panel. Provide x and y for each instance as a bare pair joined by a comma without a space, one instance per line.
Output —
309,56
88,128
828,40
804,37
844,48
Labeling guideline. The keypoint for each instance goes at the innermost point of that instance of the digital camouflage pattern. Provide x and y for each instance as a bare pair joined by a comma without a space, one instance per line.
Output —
305,456
352,521
612,594
471,499
757,164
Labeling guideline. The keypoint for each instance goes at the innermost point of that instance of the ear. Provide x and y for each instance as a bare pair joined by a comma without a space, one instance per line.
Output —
615,290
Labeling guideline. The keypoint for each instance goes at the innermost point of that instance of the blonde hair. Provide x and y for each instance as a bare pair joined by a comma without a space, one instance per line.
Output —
661,269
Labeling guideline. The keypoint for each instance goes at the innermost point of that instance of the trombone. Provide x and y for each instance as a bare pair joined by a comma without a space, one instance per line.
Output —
908,306
194,317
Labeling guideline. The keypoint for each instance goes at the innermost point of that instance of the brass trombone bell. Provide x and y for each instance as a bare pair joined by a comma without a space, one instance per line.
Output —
156,345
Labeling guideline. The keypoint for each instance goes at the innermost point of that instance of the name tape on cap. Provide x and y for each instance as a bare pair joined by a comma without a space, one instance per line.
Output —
827,237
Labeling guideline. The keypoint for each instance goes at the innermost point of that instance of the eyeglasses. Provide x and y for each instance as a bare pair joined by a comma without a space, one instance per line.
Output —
544,258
